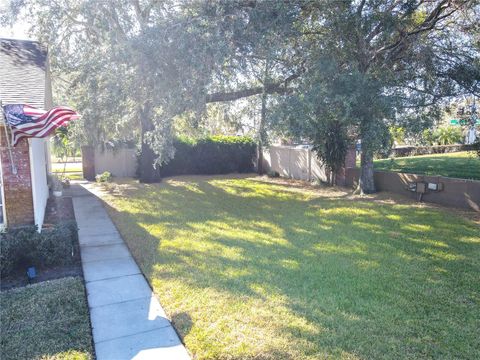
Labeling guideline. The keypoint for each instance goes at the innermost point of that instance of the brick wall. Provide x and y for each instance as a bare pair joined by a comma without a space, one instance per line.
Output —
17,187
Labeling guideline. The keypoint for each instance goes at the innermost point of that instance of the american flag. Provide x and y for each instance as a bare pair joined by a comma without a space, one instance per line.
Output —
27,121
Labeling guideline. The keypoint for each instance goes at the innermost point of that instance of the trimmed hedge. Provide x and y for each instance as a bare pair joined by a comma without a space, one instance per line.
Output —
23,247
211,155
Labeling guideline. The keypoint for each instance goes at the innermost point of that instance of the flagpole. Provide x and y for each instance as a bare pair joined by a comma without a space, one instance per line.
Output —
4,117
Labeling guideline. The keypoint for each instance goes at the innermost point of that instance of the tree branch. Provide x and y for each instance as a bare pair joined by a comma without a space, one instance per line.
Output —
240,94
433,18
271,88
360,8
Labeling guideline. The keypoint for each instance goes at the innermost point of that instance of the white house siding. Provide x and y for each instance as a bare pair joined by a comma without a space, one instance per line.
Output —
47,106
38,168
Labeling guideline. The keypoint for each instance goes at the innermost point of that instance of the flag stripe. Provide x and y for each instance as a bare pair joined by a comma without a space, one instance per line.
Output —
44,115
38,127
43,122
45,133
58,121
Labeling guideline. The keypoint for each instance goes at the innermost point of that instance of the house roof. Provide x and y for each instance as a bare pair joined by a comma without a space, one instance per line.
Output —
23,66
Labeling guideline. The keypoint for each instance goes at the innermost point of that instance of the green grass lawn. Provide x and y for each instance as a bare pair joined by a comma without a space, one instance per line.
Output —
73,170
464,165
69,167
48,320
252,270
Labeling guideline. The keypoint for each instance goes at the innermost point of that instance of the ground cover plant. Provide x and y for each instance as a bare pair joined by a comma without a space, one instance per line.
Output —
47,321
248,269
464,165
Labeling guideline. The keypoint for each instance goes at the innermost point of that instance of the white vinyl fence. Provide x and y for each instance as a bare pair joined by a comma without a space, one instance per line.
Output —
296,162
120,162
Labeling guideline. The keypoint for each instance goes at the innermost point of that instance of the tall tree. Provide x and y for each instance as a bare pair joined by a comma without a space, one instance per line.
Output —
136,64
131,66
374,60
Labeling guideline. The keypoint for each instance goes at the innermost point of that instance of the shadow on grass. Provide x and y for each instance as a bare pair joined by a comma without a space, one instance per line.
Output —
361,278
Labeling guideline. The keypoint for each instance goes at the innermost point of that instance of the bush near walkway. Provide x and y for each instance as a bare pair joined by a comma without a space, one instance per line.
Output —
24,247
47,321
254,270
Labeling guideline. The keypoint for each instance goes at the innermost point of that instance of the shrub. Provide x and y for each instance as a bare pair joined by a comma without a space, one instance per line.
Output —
331,145
17,249
476,147
427,138
65,182
273,174
398,134
104,177
22,247
211,155
448,135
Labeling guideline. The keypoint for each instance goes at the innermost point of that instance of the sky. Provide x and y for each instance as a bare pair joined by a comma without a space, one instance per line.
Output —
18,31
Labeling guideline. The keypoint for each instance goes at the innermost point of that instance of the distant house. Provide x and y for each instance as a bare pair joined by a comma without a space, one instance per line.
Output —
25,79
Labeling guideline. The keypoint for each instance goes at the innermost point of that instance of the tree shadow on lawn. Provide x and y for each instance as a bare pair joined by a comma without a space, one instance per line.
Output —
365,279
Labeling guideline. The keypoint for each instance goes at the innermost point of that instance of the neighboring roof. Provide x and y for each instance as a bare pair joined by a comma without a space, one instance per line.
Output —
23,66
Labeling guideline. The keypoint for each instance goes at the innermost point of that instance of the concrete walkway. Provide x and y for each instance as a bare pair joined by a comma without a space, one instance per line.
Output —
127,320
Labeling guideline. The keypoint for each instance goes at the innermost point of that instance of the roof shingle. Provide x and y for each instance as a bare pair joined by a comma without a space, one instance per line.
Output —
23,66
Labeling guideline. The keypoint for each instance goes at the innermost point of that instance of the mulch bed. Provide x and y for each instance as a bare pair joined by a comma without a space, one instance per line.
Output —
58,209
20,279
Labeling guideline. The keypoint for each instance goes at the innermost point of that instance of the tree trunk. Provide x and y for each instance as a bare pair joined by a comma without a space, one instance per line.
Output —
147,171
263,119
333,177
261,133
259,158
366,183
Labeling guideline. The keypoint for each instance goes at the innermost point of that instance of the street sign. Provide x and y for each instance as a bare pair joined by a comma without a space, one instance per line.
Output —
463,122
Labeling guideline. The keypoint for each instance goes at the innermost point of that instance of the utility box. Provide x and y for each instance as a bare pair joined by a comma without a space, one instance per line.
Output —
435,186
418,187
